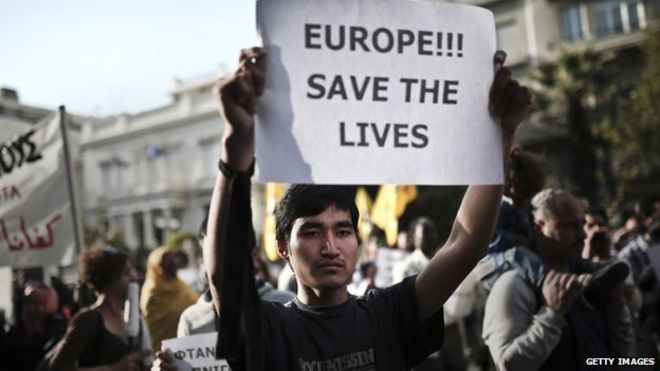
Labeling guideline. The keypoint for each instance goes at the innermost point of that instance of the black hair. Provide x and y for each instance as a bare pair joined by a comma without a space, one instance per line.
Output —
594,210
100,267
307,200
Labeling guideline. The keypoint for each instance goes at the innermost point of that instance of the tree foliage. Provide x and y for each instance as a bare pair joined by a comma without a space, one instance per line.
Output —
635,137
581,91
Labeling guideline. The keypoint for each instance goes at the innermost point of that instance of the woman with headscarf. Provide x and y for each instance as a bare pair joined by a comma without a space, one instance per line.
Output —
164,296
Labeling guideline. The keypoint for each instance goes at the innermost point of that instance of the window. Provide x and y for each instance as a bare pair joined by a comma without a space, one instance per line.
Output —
140,170
511,37
573,27
607,18
635,13
618,16
106,177
156,165
112,173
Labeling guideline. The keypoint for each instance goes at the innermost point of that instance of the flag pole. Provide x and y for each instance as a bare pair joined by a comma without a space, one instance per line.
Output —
67,163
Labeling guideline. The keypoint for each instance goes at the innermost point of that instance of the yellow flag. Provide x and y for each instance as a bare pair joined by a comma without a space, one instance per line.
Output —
405,194
390,204
274,192
364,203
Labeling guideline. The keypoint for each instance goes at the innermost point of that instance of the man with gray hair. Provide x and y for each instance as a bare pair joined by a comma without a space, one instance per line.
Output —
555,326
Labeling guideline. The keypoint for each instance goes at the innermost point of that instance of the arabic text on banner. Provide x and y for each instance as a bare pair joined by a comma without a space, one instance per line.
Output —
36,223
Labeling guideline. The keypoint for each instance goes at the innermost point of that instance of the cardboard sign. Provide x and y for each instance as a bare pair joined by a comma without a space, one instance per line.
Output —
195,353
377,91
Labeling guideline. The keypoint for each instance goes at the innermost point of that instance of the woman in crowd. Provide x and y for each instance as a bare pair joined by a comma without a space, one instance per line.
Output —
97,337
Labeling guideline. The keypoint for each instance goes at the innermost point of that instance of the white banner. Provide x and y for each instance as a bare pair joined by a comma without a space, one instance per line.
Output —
377,91
195,353
36,222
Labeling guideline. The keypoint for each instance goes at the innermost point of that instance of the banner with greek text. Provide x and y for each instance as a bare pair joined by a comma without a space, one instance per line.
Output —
377,91
36,222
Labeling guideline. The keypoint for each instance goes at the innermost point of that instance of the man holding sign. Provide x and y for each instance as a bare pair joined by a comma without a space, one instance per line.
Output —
316,230
324,328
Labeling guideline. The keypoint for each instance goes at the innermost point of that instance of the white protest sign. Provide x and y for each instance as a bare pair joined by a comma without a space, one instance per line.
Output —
195,353
36,222
377,91
386,258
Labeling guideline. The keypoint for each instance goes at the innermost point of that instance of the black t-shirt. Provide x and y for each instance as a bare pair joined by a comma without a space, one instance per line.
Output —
378,332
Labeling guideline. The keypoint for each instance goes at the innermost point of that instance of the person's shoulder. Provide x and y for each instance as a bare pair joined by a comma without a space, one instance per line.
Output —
278,313
269,293
404,289
87,315
196,318
637,244
197,309
87,319
511,283
277,307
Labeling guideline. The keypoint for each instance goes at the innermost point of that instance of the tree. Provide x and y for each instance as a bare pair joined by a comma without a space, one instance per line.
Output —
635,137
575,91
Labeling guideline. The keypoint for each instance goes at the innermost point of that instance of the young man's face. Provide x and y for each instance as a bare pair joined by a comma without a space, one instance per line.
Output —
323,249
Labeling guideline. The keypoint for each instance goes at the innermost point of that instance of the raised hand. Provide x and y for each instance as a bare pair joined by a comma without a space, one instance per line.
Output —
237,95
509,100
560,290
164,362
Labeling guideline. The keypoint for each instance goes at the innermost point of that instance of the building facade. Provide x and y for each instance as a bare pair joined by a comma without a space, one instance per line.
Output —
533,31
149,174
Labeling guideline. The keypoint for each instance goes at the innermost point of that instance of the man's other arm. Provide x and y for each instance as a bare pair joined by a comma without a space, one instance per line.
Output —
477,215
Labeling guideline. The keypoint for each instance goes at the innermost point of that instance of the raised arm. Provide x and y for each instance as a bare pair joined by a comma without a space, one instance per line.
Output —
236,95
227,244
475,221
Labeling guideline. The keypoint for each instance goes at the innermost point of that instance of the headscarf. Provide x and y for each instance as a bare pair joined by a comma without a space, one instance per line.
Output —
163,299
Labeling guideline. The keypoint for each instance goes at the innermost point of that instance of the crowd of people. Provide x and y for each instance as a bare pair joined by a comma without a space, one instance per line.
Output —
533,280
